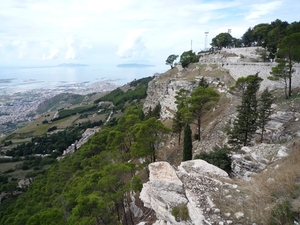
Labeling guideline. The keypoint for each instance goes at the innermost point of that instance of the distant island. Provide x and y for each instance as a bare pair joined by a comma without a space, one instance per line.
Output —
71,65
135,65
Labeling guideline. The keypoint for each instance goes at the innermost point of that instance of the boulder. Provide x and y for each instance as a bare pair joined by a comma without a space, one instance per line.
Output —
163,191
194,184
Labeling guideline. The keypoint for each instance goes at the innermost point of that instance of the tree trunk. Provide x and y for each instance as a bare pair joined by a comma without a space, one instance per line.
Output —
117,209
124,211
286,89
102,220
199,126
153,153
290,85
245,138
128,203
290,77
262,133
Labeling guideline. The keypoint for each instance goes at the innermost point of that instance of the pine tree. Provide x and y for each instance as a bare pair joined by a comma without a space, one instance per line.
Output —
178,123
156,111
264,110
289,50
179,119
203,82
187,144
281,72
201,100
245,124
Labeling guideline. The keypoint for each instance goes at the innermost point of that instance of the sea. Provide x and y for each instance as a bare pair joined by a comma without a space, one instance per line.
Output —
20,79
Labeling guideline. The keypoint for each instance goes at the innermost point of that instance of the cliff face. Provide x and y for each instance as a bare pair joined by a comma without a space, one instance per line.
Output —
163,88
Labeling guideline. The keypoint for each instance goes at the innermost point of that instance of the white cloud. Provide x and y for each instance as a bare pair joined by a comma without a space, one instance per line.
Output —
31,29
53,54
21,48
258,10
76,47
133,46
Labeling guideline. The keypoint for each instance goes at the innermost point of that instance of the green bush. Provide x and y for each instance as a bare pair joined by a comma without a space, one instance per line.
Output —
119,98
218,157
282,214
180,212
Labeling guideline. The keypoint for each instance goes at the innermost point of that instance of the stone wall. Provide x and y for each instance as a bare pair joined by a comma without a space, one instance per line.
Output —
243,69
242,62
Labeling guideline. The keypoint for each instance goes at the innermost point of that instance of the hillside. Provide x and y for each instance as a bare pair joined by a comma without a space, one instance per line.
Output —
130,172
211,196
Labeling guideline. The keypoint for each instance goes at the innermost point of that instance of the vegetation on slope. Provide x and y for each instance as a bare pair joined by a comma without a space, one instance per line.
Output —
56,101
119,97
93,185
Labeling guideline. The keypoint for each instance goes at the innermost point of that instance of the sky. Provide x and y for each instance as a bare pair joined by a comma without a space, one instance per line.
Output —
98,32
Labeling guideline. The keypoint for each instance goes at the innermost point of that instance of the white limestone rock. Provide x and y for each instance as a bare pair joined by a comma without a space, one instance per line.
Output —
200,167
163,91
239,215
282,153
163,191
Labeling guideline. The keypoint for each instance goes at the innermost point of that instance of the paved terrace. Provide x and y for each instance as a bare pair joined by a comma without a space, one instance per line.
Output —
242,65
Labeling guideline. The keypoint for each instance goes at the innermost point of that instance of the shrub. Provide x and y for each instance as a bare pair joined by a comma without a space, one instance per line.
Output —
45,121
218,157
25,167
282,214
180,212
9,171
52,129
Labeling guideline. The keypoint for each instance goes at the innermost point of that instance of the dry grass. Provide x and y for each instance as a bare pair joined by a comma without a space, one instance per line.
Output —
257,198
37,128
8,166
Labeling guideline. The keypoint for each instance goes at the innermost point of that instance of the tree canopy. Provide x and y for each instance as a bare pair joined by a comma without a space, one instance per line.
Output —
288,53
179,119
170,60
201,100
245,124
187,144
188,57
222,40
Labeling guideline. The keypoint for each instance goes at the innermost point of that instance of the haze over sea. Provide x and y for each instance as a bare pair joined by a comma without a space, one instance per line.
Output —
19,79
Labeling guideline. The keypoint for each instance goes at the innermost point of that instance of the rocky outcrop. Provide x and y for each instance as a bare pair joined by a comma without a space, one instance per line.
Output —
163,191
162,90
194,184
164,87
255,159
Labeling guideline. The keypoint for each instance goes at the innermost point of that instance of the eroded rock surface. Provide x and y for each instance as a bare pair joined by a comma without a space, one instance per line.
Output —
194,183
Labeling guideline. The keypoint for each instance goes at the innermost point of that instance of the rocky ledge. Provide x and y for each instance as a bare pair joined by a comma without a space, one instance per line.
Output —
195,185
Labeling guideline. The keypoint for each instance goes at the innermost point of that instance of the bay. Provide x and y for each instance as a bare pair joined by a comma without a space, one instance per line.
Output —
19,79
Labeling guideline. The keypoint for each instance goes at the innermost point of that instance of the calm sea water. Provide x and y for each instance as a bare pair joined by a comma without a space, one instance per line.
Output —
25,79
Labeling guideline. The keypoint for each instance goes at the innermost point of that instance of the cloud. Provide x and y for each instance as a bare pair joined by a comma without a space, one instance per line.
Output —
133,45
52,55
33,30
76,47
21,47
259,10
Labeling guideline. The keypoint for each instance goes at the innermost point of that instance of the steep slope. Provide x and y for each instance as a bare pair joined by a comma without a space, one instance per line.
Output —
212,200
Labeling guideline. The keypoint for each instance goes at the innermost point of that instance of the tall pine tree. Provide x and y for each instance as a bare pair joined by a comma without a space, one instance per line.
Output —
187,144
180,119
245,124
281,72
264,110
